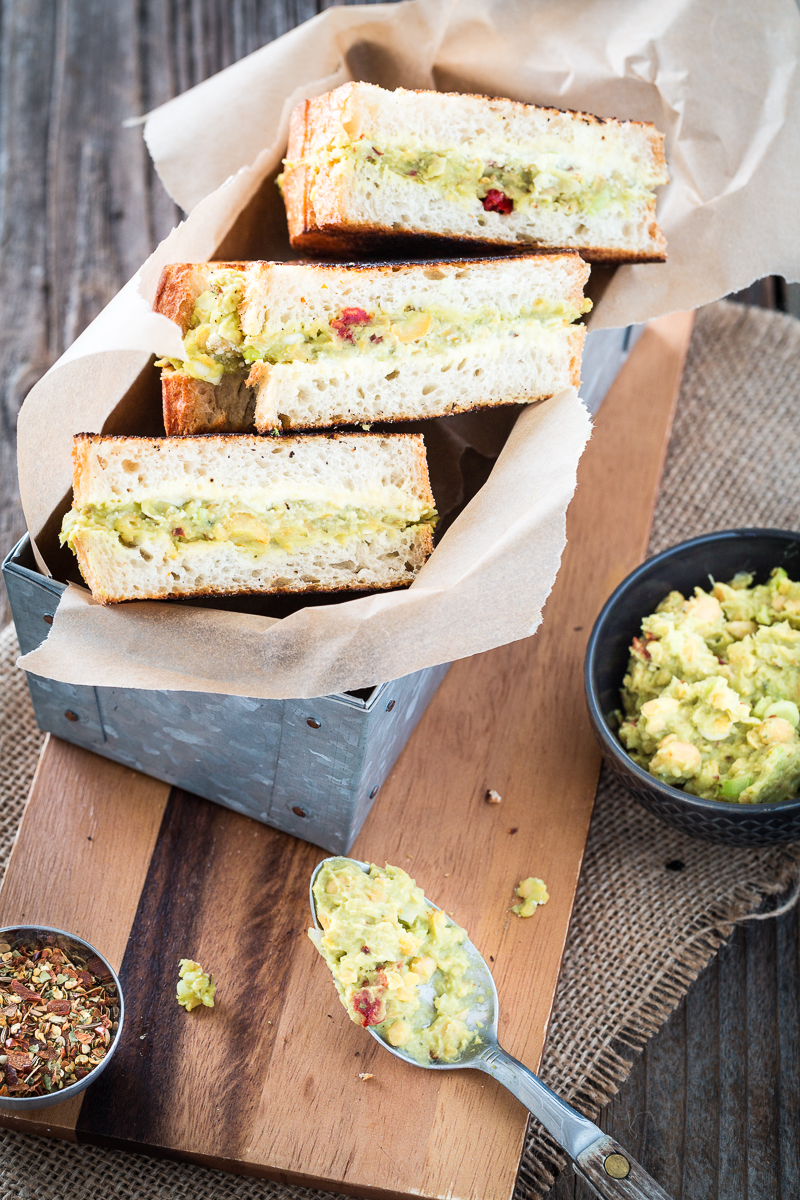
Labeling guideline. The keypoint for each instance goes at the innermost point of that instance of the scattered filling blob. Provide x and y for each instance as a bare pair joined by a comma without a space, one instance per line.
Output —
532,892
195,986
58,1017
383,942
712,694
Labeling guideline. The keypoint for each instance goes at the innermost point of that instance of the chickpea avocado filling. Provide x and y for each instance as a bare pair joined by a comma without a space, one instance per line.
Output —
283,525
383,942
546,181
219,340
712,694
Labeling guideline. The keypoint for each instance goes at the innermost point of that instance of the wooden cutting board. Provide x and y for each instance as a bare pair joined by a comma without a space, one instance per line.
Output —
267,1083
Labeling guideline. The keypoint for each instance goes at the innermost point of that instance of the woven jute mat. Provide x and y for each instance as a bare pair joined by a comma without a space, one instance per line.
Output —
641,932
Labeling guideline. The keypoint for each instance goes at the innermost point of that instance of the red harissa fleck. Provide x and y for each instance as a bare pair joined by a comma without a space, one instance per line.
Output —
496,201
369,1007
348,317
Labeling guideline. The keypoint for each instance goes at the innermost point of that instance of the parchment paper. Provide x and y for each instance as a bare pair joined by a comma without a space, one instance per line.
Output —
718,78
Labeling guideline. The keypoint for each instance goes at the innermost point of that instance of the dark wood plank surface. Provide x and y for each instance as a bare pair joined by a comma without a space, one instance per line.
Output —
712,1105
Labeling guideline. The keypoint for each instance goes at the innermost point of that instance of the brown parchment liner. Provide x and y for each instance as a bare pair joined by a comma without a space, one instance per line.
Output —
718,78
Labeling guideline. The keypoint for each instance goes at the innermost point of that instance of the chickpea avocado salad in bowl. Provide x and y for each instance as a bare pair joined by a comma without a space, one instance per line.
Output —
692,681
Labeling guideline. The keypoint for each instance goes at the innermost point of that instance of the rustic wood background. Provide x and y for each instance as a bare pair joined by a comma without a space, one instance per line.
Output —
712,1107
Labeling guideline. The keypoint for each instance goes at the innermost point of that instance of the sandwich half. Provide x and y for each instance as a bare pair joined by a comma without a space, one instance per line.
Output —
365,164
161,517
301,345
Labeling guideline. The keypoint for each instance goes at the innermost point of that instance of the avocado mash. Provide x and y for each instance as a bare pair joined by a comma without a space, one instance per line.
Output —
712,694
195,986
219,339
548,180
532,892
281,526
383,942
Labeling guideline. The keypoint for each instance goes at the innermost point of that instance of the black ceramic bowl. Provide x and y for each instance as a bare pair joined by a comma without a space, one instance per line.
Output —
682,568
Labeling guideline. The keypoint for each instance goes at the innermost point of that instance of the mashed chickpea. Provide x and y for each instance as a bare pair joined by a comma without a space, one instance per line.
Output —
195,986
712,694
532,893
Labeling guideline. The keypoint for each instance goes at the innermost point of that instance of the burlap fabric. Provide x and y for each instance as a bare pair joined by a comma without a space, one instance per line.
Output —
641,932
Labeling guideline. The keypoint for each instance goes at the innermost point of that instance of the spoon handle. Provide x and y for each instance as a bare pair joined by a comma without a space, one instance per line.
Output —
608,1169
601,1166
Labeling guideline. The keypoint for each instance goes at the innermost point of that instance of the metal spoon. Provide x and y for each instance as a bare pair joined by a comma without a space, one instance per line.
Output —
601,1162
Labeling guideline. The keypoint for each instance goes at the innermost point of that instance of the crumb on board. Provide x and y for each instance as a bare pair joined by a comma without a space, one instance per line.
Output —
493,797
365,1075
195,986
532,892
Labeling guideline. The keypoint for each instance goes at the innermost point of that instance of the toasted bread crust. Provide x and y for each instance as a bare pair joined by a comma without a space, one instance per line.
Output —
297,182
347,241
193,406
176,293
182,406
179,286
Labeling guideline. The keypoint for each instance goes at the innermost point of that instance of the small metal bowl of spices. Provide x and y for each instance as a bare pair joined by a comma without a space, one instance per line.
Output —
61,1014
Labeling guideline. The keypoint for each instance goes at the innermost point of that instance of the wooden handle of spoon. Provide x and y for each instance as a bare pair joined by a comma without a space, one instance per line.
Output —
611,1173
609,1170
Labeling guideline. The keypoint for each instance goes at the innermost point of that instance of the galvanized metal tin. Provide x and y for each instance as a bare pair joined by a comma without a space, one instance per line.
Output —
604,353
312,768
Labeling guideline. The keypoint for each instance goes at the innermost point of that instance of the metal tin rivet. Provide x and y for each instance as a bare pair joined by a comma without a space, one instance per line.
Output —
390,705
314,723
617,1166
71,716
48,618
299,812
374,792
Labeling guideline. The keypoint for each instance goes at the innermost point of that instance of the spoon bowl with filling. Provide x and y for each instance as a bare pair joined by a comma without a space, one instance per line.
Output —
449,1013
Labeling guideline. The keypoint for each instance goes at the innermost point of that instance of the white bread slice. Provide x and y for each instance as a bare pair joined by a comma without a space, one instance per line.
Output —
512,356
337,206
371,472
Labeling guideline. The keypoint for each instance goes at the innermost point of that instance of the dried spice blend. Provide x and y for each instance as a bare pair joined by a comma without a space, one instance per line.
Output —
58,1017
